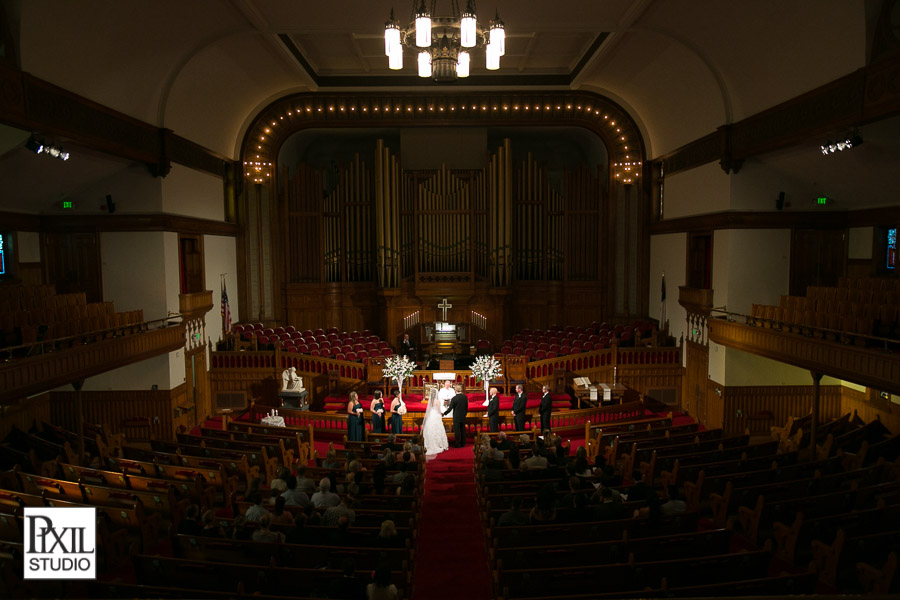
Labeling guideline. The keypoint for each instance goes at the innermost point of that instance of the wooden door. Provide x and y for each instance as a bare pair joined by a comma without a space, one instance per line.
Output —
696,371
72,263
818,258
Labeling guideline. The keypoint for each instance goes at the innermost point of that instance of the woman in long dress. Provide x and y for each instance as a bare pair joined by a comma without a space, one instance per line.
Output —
377,410
396,417
433,433
354,419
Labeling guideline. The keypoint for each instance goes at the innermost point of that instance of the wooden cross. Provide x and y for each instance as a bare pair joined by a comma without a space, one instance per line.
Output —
444,306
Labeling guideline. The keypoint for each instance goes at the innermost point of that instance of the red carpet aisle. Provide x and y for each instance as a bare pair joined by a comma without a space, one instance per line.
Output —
451,560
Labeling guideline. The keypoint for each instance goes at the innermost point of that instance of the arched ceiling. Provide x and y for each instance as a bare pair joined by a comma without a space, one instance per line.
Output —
207,68
203,67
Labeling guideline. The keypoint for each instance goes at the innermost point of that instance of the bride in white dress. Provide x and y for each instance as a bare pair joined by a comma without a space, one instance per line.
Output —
433,433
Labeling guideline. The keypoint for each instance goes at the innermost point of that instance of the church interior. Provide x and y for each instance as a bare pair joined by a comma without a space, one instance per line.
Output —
670,227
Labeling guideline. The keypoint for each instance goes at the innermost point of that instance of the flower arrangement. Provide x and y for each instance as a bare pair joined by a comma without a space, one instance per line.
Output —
399,368
484,369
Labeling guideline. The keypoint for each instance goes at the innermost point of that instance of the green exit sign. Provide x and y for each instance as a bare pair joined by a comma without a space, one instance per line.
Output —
67,204
823,201
695,331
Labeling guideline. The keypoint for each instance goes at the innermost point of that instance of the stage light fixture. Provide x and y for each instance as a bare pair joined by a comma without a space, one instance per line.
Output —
39,146
846,142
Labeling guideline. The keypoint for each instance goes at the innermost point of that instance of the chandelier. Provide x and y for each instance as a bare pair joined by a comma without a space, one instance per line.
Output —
443,43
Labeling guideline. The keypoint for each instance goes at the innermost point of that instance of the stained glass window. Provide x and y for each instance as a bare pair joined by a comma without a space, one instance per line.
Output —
2,254
892,248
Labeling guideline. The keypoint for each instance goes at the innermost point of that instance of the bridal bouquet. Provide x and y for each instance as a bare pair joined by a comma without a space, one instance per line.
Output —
399,368
484,369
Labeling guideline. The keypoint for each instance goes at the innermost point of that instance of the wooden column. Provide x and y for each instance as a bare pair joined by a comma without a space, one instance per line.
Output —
814,425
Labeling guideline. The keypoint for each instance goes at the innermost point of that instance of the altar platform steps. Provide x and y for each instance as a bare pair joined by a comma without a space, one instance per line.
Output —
414,402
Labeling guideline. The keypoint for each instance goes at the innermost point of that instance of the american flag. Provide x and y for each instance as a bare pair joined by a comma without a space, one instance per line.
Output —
226,310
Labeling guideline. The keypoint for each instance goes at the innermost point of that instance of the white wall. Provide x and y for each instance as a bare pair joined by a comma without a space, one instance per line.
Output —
745,369
134,271
133,190
761,257
140,376
668,255
706,189
173,288
192,193
221,257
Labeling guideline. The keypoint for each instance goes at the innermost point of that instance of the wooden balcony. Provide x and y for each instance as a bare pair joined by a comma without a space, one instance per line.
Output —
20,377
875,368
195,305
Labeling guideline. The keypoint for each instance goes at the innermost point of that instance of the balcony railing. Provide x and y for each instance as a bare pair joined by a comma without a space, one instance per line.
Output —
877,367
39,367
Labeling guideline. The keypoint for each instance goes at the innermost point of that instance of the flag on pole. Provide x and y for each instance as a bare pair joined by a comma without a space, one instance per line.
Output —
226,310
662,297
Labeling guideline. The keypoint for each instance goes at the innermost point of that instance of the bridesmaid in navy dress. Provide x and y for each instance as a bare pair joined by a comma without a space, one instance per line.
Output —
377,410
396,417
355,422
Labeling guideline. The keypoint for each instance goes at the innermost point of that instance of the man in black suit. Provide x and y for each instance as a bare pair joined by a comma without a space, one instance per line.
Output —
406,348
545,409
518,408
493,411
459,404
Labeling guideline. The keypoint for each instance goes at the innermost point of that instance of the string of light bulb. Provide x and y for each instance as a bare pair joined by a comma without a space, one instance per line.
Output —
443,43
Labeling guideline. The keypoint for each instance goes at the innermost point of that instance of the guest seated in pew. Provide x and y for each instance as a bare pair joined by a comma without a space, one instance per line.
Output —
504,443
415,445
281,516
348,585
381,587
402,472
325,498
514,516
544,510
387,536
190,524
256,512
392,444
535,461
280,481
388,458
649,511
514,459
344,508
610,508
675,505
331,460
296,534
340,534
239,530
304,483
576,498
582,468
641,490
313,517
407,486
264,534
492,452
211,528
610,478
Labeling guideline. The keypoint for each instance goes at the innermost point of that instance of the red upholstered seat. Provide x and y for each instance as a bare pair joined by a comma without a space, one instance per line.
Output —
237,329
553,348
296,335
325,344
268,331
358,347
279,330
325,352
575,350
383,344
551,354
506,350
531,345
290,329
588,346
367,332
313,345
321,338
362,354
340,357
526,332
540,355
374,352
519,351
529,352
258,326
332,337
373,339
314,353
302,348
307,333
285,336
332,330
318,332
292,349
543,346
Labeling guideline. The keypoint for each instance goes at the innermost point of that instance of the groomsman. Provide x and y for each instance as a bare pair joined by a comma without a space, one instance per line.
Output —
518,408
545,409
493,410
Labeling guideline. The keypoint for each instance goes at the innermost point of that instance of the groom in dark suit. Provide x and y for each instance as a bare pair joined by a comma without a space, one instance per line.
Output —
494,411
546,408
518,408
459,404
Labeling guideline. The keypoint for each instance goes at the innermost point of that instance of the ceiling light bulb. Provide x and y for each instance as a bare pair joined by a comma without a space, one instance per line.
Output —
391,38
395,58
492,57
462,64
498,36
423,27
467,28
424,64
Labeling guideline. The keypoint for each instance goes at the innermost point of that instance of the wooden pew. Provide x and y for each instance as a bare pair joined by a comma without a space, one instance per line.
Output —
191,574
287,555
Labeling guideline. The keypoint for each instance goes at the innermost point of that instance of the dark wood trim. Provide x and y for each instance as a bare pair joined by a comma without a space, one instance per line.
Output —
778,220
866,95
33,104
13,221
137,222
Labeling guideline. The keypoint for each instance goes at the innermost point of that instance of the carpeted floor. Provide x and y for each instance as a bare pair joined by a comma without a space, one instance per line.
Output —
451,561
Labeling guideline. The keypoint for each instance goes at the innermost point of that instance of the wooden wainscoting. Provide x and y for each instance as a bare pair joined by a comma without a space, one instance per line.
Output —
869,406
24,413
113,409
758,408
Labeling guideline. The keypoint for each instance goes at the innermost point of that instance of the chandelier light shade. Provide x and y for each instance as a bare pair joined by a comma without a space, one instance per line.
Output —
442,41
